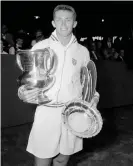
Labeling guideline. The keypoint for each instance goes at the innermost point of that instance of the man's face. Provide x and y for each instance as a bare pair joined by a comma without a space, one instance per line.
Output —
64,22
19,41
4,29
109,44
122,53
93,46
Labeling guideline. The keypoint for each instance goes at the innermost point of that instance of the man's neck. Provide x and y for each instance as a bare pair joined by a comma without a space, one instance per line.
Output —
64,40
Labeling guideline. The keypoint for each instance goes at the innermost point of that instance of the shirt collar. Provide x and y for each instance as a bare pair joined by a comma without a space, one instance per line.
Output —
55,38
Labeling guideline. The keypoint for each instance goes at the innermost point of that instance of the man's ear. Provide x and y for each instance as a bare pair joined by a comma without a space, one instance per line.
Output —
53,23
75,24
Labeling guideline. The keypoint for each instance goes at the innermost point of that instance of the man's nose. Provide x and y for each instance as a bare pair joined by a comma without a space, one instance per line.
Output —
63,24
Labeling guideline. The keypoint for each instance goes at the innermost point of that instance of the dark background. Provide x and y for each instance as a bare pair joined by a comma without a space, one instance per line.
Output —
118,16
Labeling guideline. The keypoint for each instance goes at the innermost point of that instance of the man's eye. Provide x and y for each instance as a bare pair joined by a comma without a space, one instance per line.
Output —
57,19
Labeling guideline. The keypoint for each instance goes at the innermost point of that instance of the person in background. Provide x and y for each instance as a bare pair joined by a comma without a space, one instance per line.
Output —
5,35
115,55
11,50
8,48
38,37
7,40
93,51
107,48
49,140
2,47
99,49
23,40
19,43
117,44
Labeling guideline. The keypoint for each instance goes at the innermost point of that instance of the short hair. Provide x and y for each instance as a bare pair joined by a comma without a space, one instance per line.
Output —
65,7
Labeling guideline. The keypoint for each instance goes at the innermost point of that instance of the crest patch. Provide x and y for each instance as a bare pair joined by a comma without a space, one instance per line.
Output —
74,61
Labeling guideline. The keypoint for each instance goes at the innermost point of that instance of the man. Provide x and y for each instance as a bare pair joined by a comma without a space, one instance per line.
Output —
38,37
5,35
49,140
19,43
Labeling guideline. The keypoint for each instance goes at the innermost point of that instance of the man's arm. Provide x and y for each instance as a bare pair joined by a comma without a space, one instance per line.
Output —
95,100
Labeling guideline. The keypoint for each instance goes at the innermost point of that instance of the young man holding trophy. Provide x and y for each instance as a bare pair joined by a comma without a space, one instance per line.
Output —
50,140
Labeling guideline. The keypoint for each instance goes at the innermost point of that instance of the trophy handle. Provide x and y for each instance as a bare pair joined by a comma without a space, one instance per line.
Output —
19,62
46,65
93,81
84,79
53,63
50,62
88,81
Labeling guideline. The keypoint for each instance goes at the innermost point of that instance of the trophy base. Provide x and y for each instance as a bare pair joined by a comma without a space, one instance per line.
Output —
42,99
44,102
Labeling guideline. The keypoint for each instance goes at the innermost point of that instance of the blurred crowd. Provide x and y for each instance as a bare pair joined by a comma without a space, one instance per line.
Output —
21,40
118,49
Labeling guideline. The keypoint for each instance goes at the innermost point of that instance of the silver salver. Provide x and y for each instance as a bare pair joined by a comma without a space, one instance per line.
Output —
81,119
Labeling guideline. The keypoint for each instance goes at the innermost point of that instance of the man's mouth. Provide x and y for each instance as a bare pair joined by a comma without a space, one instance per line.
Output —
63,29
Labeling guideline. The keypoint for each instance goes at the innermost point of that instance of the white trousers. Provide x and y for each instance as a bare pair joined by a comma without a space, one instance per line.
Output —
49,137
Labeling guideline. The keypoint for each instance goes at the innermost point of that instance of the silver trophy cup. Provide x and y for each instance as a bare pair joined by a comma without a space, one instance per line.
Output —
38,68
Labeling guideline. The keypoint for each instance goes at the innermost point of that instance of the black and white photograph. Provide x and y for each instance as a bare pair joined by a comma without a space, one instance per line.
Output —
66,83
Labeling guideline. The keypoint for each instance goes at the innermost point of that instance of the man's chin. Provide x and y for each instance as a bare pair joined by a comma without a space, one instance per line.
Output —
64,34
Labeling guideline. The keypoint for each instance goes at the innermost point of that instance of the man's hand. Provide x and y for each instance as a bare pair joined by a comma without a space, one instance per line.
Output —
94,102
28,96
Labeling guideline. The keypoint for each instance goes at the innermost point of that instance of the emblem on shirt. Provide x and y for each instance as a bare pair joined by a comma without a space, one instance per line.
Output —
74,61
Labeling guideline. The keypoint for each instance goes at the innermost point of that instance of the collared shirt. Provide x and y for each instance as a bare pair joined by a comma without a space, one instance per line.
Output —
70,60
